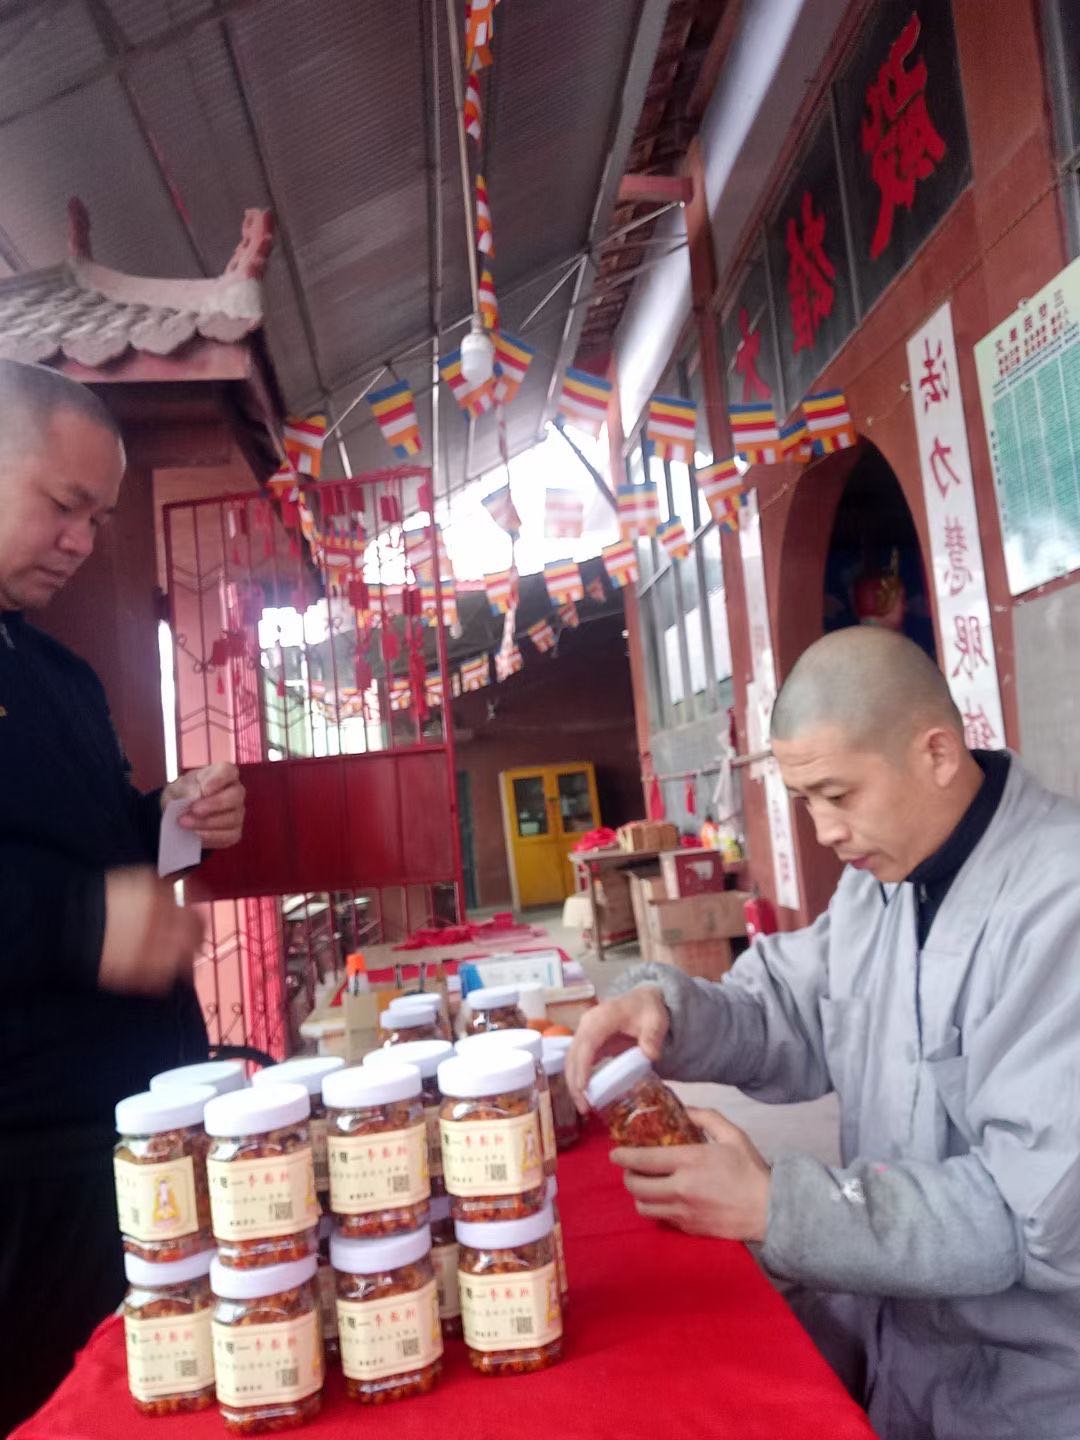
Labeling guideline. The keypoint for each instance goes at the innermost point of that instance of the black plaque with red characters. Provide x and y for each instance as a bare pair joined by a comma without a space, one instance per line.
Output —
903,136
749,344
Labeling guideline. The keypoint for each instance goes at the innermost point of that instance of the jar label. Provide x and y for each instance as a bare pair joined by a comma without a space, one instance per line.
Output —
434,1140
156,1202
560,1259
268,1364
327,1289
445,1259
378,1172
169,1356
516,1311
390,1337
258,1199
319,1125
492,1157
547,1126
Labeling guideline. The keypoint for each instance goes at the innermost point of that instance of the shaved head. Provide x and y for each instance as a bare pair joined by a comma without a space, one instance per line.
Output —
31,398
873,686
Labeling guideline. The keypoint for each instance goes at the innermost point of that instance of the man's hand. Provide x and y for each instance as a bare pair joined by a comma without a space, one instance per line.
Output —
217,815
719,1189
150,942
639,1017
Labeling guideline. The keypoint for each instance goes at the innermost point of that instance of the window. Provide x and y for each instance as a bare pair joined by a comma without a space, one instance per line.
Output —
1061,27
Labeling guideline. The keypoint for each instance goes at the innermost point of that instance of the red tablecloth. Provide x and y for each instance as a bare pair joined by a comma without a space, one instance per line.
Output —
665,1334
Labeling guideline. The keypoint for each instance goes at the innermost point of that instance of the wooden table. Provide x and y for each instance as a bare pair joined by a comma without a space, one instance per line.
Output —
592,865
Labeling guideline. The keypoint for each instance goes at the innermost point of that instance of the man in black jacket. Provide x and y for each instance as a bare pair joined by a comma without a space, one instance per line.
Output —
95,957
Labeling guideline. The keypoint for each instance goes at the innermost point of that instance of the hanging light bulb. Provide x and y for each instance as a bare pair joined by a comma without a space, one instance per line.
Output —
477,354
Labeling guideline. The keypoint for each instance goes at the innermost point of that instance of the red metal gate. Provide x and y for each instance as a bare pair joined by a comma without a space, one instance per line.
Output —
309,647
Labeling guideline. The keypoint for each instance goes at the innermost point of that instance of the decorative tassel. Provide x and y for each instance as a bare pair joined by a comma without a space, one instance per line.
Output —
691,796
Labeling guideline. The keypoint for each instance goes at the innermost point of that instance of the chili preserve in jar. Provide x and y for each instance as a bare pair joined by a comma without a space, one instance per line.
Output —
262,1179
268,1354
427,1056
636,1105
167,1310
413,1017
510,1294
494,1007
379,1182
490,1124
159,1166
222,1076
563,1110
309,1071
388,1316
529,1041
444,1257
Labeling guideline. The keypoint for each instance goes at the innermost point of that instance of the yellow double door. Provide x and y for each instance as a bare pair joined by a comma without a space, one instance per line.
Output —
546,810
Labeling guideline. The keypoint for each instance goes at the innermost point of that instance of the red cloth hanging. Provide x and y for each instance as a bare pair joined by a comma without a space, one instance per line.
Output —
654,798
389,510
691,796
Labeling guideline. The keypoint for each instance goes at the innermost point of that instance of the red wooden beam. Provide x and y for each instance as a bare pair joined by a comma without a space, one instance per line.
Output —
661,188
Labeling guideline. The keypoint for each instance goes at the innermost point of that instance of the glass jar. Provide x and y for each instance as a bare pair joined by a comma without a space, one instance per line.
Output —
327,1289
510,1329
490,1125
223,1076
159,1166
529,1041
379,1183
262,1177
167,1310
268,1353
636,1105
557,1235
444,1257
427,1056
388,1316
494,1007
309,1071
564,1112
413,1017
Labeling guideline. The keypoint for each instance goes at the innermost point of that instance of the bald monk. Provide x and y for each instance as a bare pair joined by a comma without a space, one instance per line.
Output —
938,1266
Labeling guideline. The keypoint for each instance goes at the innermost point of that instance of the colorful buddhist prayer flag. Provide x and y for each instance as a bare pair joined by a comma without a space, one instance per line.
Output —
563,581
475,674
429,608
512,359
395,410
671,428
400,693
479,33
568,614
725,492
502,591
584,400
419,550
475,401
755,434
595,590
500,506
508,661
542,636
303,440
564,514
621,563
474,114
829,422
638,508
485,235
673,537
795,441
487,300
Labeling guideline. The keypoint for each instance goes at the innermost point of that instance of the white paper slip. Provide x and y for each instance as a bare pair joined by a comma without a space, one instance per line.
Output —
178,849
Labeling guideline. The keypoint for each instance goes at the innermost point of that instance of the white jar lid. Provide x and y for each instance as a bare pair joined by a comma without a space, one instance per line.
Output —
505,1234
174,1108
362,1085
255,1111
492,997
427,998
373,1257
487,1072
306,1070
553,1058
221,1075
617,1077
426,1055
409,1017
558,1042
264,1280
439,1207
152,1274
515,1039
